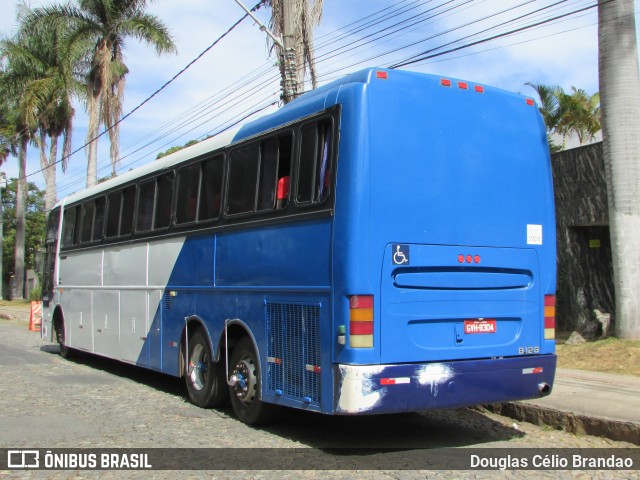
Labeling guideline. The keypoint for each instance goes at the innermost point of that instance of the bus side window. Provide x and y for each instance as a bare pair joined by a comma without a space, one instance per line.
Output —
128,205
187,195
88,211
314,172
324,178
268,172
99,220
243,176
211,188
285,144
146,196
113,213
164,200
69,223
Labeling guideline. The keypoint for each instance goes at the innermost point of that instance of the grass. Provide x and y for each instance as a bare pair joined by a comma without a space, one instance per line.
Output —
610,355
15,303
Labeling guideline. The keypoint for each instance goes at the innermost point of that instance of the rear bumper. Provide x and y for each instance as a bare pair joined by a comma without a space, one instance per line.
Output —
373,389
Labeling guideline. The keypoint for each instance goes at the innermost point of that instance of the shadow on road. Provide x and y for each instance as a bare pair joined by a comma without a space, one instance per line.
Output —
156,380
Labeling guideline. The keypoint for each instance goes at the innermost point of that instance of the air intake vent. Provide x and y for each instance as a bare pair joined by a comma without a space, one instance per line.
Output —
293,364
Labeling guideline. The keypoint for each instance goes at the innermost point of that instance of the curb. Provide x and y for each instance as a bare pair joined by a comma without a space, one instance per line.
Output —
568,421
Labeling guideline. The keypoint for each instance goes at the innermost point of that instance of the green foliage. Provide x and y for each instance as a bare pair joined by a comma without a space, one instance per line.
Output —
34,225
564,113
176,149
36,294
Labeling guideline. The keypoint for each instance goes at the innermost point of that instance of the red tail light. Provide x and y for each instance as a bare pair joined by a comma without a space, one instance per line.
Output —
361,321
549,317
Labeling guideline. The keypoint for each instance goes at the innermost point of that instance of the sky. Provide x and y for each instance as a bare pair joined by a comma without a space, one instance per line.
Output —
238,76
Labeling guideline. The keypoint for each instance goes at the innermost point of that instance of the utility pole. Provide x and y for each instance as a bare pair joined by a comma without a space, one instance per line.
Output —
286,49
288,67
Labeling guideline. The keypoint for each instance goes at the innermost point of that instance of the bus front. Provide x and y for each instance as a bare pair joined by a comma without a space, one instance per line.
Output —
444,247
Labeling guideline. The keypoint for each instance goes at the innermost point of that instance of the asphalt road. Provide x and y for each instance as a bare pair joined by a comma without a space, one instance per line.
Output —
50,402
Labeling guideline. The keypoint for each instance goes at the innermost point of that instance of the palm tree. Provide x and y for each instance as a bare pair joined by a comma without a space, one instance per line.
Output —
20,134
565,114
47,86
98,30
620,93
579,113
305,15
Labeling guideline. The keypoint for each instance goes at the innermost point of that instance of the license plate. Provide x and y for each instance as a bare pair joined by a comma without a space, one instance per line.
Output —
481,325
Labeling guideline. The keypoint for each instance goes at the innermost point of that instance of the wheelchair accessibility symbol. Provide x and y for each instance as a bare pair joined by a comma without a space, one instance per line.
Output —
400,254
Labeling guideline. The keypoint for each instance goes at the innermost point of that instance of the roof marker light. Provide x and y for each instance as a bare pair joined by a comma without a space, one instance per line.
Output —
530,102
382,75
479,88
445,82
463,85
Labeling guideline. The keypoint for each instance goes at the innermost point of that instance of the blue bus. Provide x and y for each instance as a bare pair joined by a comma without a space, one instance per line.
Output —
382,244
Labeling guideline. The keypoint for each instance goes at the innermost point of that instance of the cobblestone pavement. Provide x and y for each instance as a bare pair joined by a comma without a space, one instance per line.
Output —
50,402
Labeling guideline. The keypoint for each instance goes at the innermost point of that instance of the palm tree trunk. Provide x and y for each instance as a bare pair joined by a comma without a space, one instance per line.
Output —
21,202
49,172
92,141
620,106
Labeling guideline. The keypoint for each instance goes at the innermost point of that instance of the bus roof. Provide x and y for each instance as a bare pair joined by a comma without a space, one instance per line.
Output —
218,141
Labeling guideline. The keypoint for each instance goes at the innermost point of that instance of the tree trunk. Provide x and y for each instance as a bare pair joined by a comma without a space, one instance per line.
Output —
49,173
21,202
92,141
620,107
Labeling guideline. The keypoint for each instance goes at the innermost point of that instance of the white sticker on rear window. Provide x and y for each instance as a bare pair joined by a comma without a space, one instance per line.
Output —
534,234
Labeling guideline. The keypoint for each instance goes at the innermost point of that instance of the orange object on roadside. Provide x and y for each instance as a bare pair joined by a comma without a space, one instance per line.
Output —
35,319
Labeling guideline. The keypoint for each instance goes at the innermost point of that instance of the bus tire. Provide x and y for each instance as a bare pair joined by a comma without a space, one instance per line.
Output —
245,387
65,351
205,378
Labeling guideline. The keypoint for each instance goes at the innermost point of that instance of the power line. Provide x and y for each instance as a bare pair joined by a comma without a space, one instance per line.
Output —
426,56
210,110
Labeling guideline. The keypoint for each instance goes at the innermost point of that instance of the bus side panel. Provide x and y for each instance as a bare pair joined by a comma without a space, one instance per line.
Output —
133,326
106,311
78,319
295,255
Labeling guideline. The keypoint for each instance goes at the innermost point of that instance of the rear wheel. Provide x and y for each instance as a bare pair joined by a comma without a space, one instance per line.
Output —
65,351
245,388
205,378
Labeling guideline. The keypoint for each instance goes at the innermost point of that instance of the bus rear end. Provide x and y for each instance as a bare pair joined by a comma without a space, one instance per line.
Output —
446,289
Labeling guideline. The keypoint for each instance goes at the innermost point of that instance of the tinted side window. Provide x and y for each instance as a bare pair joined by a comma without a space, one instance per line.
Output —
268,173
98,223
52,225
128,205
88,211
275,167
164,199
243,176
187,194
113,214
211,189
146,198
314,171
71,230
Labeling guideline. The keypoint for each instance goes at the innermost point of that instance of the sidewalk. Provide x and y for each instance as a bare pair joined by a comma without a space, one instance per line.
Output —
583,402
